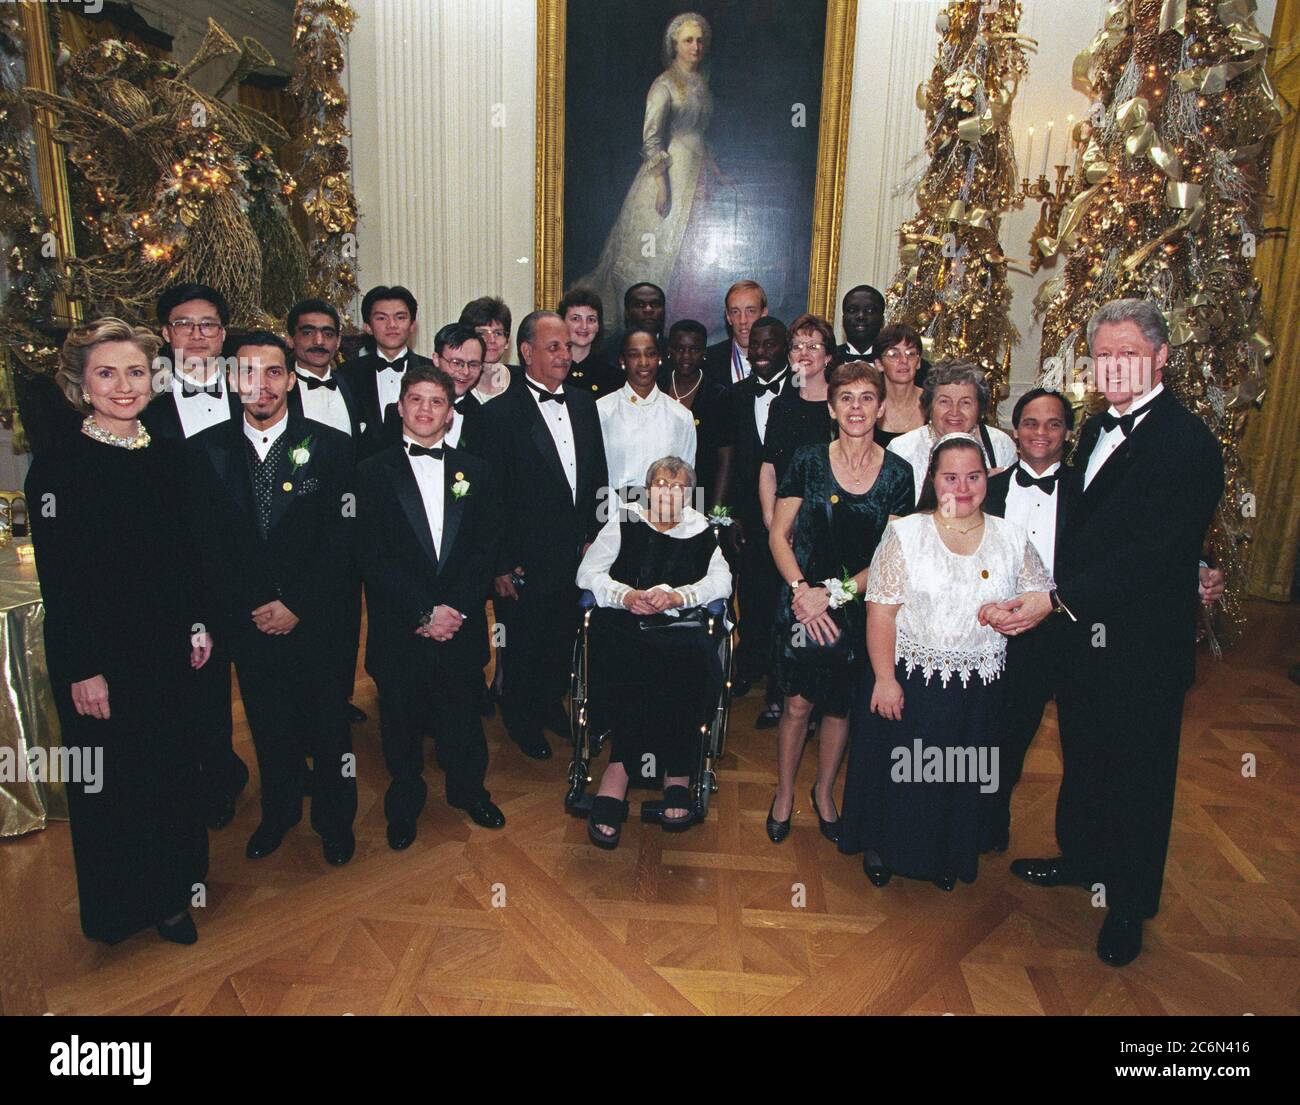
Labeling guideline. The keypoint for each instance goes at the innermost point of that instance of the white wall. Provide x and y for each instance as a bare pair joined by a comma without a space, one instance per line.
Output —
448,198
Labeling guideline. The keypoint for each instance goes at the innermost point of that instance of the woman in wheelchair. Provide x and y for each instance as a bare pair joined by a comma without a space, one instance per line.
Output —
654,669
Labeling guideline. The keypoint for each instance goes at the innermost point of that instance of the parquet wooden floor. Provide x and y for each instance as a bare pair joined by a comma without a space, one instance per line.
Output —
533,920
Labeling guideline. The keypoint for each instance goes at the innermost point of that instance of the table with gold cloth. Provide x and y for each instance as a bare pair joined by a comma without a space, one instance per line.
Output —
29,719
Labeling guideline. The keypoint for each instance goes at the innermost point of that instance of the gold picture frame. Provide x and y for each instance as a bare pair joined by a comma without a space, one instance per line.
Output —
832,155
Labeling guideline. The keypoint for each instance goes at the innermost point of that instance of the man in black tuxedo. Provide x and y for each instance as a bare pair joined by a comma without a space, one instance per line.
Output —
862,314
548,458
1143,485
427,526
375,375
326,396
193,319
740,458
1030,493
274,504
727,362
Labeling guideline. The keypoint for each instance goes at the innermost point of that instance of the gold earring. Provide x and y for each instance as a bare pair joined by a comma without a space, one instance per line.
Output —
85,397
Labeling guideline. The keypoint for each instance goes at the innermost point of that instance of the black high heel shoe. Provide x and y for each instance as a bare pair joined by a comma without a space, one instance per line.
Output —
878,873
777,831
830,829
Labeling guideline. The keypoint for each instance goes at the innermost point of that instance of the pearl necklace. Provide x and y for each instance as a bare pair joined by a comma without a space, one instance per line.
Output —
672,385
95,431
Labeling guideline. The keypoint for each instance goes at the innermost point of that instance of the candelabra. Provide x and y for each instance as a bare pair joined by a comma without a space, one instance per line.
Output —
1052,200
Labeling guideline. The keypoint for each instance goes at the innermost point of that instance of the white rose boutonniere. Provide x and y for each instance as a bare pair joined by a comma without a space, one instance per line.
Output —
300,454
460,488
720,516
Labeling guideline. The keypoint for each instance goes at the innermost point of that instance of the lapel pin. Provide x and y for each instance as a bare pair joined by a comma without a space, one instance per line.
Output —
287,486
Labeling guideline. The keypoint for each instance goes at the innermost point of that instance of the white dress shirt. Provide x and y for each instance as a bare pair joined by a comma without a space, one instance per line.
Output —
429,478
1035,511
198,412
388,379
915,446
740,367
264,437
556,417
322,404
857,354
763,404
593,572
639,431
452,436
1110,440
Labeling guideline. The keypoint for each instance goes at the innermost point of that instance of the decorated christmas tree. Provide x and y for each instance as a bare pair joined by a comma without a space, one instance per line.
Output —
1172,165
952,281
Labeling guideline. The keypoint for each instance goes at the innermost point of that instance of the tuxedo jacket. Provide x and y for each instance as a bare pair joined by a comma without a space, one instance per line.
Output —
406,576
382,428
469,412
543,525
345,390
305,558
740,432
162,419
717,363
995,500
1128,556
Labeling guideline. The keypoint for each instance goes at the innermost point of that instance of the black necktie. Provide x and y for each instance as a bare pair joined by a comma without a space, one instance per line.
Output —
420,451
1124,422
772,387
1045,484
544,396
213,389
313,382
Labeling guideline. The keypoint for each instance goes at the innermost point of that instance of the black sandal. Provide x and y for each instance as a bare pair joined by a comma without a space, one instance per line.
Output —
677,798
610,812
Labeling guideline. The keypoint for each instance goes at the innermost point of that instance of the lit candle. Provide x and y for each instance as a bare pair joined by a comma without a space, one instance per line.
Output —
1047,146
1029,153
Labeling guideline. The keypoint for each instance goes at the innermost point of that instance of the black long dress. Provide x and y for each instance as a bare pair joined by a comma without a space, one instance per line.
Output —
115,561
827,547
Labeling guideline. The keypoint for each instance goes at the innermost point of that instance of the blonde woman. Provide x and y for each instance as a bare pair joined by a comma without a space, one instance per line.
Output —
123,628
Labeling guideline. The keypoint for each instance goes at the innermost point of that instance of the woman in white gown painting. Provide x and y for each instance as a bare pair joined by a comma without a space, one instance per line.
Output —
647,236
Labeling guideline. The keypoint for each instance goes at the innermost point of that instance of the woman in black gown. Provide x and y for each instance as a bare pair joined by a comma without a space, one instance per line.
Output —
831,509
122,628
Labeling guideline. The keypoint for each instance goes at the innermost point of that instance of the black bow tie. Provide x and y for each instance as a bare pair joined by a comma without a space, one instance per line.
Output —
213,389
772,387
544,396
1045,484
313,382
1124,422
420,451
398,365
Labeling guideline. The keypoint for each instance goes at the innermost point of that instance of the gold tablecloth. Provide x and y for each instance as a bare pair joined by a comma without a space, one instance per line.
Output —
29,719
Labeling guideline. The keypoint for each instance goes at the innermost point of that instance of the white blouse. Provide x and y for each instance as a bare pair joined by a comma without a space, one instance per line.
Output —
915,445
941,593
593,572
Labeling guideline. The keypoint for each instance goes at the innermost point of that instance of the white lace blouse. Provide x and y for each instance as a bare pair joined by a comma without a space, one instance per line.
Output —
940,592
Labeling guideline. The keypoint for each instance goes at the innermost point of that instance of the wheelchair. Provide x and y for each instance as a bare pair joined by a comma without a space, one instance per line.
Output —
588,740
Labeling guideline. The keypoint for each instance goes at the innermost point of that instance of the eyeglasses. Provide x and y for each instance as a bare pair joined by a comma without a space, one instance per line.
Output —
490,331
461,366
663,483
807,346
206,326
898,353
326,332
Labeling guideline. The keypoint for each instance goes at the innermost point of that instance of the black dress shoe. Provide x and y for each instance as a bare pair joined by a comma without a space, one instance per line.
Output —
777,831
265,840
338,848
356,716
222,811
770,718
486,814
533,745
830,829
878,873
179,932
401,835
1120,939
1055,871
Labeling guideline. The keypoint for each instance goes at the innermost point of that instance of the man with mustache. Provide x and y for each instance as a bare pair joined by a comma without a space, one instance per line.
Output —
276,530
740,458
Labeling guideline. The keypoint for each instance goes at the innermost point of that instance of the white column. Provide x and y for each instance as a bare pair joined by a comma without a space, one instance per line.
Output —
443,101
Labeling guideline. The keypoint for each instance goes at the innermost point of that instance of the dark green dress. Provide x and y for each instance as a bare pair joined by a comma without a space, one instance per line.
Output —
829,547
